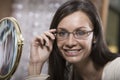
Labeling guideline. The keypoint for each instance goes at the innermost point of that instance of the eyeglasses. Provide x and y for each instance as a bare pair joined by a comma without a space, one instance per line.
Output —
78,34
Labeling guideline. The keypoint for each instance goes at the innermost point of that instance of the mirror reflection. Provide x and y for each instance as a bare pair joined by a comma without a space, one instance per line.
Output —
8,46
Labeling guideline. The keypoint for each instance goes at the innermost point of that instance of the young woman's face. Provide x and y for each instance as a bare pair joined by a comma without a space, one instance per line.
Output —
75,37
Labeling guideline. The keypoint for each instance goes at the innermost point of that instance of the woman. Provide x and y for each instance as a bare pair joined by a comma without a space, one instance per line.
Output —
74,45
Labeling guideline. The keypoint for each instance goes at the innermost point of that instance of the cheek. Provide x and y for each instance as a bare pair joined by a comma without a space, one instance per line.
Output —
87,44
59,44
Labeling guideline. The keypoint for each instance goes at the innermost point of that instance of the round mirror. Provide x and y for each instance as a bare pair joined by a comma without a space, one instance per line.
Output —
11,43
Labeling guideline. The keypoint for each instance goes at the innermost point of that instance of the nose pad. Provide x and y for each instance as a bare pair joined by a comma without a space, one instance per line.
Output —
71,41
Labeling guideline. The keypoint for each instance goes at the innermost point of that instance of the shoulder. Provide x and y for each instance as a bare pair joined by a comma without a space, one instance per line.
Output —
111,70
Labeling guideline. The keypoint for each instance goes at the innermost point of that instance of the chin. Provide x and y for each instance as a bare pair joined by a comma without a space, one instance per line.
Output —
73,60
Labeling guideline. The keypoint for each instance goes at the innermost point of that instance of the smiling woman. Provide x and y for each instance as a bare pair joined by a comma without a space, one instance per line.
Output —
75,49
74,45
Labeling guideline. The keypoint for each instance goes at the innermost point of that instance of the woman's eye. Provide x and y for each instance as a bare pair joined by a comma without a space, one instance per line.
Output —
80,32
62,33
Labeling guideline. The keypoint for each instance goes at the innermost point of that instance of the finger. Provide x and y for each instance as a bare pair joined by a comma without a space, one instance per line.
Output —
52,30
40,40
50,35
34,42
46,40
34,45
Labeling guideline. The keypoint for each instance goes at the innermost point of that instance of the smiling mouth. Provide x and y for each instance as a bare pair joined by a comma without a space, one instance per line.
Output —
72,53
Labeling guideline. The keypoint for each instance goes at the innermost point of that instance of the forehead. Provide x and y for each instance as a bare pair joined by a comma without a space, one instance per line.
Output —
75,20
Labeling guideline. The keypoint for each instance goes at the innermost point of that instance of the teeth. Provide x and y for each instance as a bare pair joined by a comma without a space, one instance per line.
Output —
72,51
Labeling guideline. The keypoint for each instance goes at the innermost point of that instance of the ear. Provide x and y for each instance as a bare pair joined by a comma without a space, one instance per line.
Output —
94,39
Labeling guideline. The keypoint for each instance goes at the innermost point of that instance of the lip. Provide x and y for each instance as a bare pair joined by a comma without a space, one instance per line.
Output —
71,53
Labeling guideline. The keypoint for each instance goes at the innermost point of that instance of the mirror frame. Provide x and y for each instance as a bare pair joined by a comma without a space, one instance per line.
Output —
19,49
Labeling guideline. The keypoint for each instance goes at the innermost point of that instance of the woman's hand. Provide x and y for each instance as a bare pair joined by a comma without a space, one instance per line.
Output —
41,48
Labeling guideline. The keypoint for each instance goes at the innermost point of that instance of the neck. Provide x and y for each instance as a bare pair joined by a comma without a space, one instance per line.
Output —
88,70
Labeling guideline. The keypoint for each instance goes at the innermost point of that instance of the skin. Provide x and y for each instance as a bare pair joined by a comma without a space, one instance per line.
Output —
80,48
75,51
41,46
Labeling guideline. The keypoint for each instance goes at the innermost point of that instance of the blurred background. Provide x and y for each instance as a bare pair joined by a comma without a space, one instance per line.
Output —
34,17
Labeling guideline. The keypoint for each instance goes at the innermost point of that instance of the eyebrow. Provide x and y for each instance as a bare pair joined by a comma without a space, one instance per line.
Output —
82,27
62,29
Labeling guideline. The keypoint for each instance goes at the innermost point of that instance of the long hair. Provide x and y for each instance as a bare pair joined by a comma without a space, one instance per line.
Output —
100,54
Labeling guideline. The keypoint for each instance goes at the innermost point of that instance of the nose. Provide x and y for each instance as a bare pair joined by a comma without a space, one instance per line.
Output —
71,41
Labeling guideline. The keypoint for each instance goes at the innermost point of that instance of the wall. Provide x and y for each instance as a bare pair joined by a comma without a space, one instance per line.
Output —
5,8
